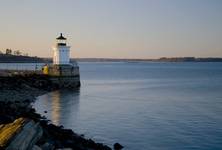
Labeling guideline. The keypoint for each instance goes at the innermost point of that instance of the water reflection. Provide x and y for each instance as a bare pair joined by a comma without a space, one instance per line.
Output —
61,105
56,108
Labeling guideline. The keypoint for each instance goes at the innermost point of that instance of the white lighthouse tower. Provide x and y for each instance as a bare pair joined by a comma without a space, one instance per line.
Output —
66,71
61,51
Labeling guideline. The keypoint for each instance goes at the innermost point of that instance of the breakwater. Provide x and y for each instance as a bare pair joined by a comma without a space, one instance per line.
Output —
38,79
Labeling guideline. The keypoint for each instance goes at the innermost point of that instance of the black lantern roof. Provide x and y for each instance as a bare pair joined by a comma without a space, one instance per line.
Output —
61,37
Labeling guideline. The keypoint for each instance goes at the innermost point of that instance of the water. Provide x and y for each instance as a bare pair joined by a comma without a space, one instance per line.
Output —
143,105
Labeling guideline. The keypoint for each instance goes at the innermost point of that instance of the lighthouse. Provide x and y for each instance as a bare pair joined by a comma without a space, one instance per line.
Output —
61,51
62,71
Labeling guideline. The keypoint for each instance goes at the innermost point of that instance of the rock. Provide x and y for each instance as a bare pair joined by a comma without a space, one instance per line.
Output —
47,146
8,131
4,119
35,147
117,146
31,132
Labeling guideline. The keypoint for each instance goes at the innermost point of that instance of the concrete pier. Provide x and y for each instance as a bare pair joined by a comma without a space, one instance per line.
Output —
65,76
57,78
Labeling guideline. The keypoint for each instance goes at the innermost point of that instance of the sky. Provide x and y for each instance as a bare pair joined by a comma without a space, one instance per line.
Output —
114,28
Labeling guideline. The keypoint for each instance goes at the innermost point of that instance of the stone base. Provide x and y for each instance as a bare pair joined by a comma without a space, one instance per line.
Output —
61,70
65,81
66,76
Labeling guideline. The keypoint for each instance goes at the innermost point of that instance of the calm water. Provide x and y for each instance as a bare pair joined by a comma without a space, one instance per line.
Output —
175,106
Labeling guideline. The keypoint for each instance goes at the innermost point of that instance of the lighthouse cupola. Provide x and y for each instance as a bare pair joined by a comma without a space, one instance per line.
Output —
61,51
61,40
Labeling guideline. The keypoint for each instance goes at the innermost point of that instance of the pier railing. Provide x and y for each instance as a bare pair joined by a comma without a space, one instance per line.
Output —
21,66
26,66
7,69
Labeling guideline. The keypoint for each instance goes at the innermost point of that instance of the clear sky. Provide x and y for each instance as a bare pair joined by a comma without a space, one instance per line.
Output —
114,28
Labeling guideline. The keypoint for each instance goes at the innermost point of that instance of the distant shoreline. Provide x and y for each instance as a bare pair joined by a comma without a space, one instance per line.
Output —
8,58
163,59
28,59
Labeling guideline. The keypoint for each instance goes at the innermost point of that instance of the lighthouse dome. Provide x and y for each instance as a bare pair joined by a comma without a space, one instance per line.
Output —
61,40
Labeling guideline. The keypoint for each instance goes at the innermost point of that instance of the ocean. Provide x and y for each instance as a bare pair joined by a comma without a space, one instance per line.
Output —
143,105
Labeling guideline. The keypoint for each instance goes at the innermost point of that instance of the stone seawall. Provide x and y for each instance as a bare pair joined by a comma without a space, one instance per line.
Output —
38,80
65,81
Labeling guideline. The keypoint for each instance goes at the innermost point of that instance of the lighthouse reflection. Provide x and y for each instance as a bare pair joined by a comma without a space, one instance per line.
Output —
60,105
56,107
64,103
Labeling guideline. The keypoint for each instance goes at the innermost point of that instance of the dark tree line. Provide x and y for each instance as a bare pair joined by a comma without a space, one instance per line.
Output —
15,52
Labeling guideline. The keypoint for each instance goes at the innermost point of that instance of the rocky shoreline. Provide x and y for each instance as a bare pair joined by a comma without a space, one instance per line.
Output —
16,95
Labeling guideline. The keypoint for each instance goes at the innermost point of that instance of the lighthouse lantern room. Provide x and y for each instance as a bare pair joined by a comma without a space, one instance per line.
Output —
61,51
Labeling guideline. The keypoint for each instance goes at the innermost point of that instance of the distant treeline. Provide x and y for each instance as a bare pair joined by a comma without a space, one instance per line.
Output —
189,59
13,52
17,56
6,58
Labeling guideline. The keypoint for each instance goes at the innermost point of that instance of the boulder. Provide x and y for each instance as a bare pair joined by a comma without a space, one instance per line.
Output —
35,147
117,146
30,133
8,131
47,146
